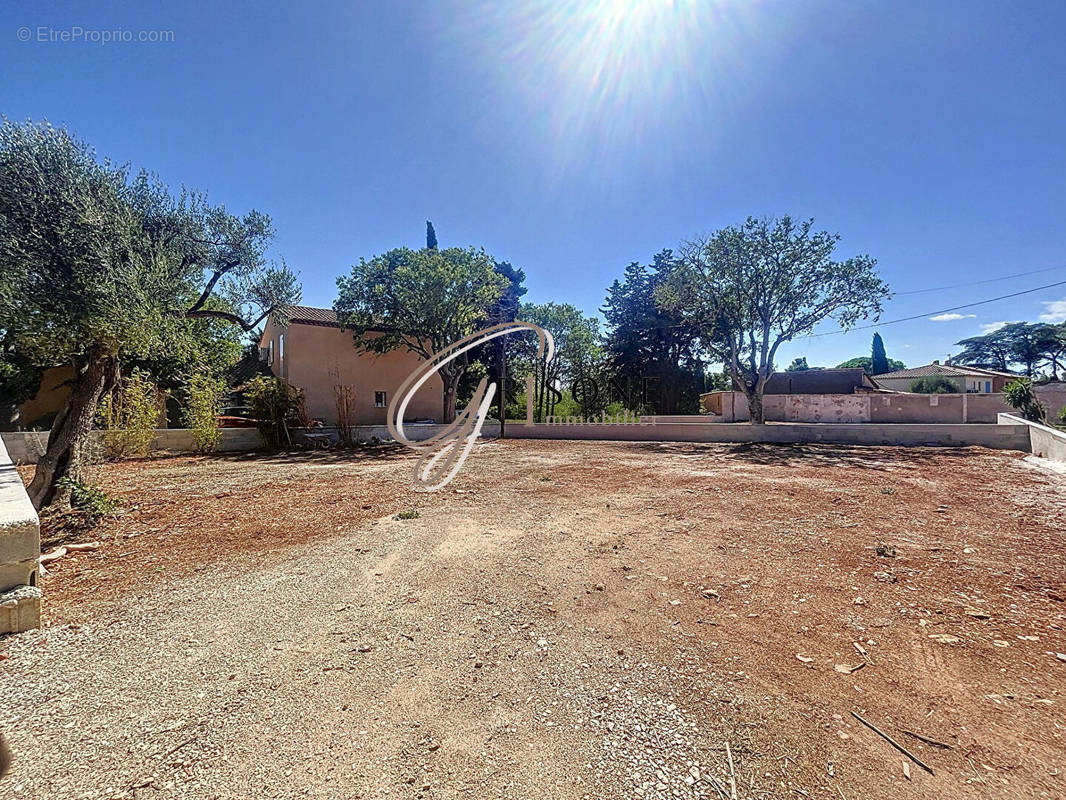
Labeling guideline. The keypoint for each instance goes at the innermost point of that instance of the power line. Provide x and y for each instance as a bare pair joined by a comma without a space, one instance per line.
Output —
978,283
933,313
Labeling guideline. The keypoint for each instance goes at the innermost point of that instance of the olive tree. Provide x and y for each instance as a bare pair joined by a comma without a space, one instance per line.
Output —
99,266
751,288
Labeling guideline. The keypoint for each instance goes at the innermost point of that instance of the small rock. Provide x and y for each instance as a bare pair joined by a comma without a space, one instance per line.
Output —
944,638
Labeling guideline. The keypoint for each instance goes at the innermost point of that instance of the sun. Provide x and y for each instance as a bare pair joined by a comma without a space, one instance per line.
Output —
605,71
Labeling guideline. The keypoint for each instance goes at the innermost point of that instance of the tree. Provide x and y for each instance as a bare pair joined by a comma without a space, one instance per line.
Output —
1019,394
1023,343
578,354
645,342
934,384
423,301
1055,352
751,288
993,350
798,365
1031,344
100,267
431,236
878,356
491,358
867,364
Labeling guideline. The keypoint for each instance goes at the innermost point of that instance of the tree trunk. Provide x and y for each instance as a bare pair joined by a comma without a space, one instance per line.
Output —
70,432
755,408
451,385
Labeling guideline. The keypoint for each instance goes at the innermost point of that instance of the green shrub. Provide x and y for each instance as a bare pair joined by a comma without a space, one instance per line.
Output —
934,384
1019,395
89,500
411,514
276,404
204,404
129,415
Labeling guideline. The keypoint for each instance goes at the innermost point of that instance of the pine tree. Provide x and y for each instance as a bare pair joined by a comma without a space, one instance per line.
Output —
431,236
878,357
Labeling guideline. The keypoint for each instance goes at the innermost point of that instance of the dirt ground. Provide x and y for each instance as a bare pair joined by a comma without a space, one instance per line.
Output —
565,620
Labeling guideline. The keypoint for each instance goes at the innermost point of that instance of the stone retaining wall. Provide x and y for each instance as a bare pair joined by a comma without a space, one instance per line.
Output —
20,546
1045,442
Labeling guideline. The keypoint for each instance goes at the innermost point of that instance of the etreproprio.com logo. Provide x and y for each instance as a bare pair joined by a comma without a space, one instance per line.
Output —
77,34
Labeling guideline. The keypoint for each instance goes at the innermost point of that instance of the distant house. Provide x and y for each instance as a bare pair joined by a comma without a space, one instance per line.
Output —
314,354
819,381
966,379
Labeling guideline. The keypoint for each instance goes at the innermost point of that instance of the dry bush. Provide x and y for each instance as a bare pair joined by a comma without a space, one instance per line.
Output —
344,402
129,415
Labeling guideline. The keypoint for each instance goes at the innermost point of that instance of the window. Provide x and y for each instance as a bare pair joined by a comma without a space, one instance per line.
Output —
379,399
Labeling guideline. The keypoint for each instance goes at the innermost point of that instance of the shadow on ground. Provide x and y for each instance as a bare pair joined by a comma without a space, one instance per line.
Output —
829,455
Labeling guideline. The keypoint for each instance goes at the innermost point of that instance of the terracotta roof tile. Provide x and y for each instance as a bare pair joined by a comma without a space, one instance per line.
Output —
309,315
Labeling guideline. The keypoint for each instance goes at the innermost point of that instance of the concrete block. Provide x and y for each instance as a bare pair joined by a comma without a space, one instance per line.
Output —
20,530
20,609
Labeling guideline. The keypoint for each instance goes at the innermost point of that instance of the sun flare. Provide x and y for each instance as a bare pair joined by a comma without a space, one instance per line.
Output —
607,72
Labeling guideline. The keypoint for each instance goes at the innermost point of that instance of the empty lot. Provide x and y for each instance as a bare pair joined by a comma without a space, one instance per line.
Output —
565,620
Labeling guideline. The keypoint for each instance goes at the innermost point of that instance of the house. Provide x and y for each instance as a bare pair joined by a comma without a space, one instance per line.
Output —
967,379
819,381
312,353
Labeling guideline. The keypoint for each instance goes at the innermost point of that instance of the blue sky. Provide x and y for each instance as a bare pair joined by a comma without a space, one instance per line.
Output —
571,138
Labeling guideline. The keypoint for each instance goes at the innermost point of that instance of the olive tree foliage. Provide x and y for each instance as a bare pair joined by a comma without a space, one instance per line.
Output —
751,288
101,267
422,301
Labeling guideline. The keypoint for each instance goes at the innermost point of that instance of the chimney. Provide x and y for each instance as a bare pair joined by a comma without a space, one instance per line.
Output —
936,360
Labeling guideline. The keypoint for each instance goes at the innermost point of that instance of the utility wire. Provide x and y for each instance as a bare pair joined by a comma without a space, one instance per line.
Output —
978,283
933,313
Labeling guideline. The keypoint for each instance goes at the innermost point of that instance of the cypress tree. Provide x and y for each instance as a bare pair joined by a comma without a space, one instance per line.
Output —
431,236
878,357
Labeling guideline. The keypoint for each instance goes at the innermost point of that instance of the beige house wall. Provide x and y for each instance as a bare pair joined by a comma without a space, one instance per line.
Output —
49,400
318,357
